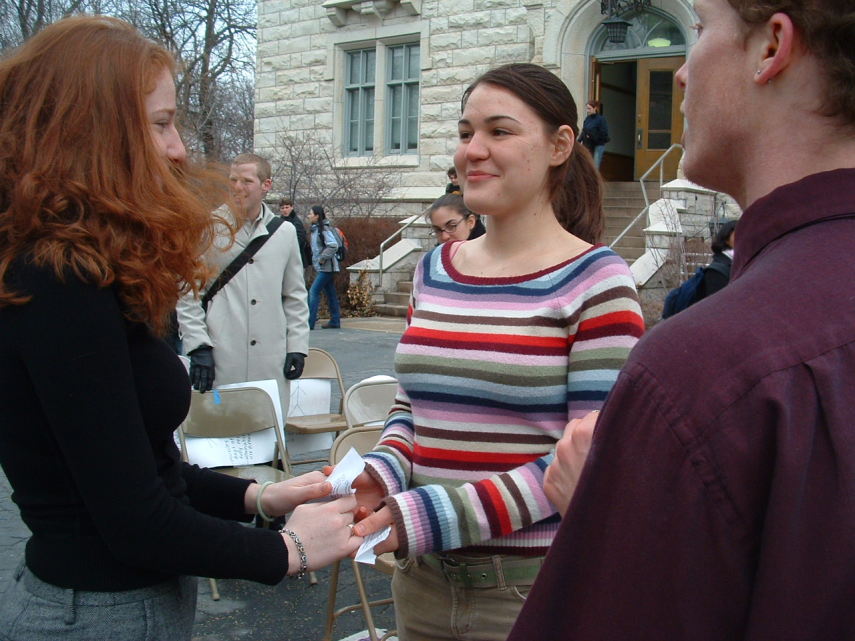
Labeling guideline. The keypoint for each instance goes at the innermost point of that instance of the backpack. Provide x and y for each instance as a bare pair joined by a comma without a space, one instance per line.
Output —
343,244
688,293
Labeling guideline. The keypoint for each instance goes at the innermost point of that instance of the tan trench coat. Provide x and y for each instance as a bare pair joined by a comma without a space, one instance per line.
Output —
259,316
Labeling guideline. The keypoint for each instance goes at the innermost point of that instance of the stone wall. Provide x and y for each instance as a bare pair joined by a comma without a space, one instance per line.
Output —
301,62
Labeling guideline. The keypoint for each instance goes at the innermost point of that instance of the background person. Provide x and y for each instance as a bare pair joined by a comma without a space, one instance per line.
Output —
717,499
324,245
289,213
510,335
716,278
450,220
595,131
453,186
91,251
256,327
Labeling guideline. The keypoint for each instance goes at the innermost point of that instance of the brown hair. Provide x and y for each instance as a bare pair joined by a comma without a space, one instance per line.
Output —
827,28
83,188
262,167
285,201
596,104
575,187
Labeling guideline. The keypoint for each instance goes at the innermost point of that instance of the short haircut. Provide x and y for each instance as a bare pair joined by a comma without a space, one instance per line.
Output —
826,28
285,201
452,172
262,167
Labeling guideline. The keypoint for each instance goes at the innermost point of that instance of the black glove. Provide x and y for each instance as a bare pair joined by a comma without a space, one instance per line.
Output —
294,365
202,368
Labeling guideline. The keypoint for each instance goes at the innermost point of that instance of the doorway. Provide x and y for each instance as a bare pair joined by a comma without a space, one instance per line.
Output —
641,102
635,81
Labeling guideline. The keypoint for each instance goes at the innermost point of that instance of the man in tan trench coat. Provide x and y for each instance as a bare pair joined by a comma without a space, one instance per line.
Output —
256,327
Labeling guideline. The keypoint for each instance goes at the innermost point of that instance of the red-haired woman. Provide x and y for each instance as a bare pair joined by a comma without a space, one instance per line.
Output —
101,219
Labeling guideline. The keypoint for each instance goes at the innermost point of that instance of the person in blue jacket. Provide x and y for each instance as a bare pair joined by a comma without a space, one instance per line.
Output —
595,131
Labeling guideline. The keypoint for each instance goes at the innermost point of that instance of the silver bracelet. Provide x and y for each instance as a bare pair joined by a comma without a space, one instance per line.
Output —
304,560
258,509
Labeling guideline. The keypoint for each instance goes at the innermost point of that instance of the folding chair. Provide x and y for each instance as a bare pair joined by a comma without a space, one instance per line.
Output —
228,413
363,438
368,401
319,365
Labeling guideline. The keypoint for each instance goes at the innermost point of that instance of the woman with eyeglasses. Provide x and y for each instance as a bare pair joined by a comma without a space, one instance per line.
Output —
510,336
450,220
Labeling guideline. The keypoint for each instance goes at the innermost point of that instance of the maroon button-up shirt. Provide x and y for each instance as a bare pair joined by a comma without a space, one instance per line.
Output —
718,502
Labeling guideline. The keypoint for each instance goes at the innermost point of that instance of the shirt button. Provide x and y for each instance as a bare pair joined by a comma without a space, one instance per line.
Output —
252,302
252,342
251,261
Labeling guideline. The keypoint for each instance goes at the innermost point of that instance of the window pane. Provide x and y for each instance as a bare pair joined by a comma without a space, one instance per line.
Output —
370,58
352,123
661,99
368,110
413,62
412,117
396,63
353,60
658,140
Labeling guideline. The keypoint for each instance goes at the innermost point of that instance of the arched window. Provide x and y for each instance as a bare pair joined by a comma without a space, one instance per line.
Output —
650,34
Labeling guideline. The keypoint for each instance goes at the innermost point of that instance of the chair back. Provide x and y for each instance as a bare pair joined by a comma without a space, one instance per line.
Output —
320,364
369,401
229,412
362,438
226,413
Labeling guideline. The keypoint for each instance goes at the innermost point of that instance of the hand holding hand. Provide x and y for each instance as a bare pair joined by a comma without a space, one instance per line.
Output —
281,498
369,493
202,368
294,362
326,533
375,522
571,451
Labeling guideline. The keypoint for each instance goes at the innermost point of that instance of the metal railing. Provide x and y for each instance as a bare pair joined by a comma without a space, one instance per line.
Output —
385,244
660,164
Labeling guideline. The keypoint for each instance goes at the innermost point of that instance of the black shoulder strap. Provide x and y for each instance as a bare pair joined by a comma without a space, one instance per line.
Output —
240,260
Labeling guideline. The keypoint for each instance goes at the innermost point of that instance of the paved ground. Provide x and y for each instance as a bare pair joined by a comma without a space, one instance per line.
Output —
292,610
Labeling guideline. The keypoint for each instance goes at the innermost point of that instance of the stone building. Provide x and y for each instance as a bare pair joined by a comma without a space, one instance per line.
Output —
380,81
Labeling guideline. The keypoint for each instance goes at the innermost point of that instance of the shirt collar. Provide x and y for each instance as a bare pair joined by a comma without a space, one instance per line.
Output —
818,197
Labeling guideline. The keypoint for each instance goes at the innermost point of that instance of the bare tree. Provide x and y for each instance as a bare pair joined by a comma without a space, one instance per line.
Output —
213,41
306,170
19,19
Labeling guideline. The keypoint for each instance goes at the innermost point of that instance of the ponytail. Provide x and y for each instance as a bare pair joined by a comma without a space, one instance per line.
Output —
578,196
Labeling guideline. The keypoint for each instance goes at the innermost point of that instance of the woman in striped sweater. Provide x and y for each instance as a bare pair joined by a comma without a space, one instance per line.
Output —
510,336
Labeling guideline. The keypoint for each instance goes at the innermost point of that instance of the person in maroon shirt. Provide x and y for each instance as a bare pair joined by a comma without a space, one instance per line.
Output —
717,501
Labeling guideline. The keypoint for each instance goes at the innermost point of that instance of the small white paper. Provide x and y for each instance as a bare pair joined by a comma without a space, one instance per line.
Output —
345,472
365,553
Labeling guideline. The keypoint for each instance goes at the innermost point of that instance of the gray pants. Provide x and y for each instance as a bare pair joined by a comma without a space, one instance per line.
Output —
32,610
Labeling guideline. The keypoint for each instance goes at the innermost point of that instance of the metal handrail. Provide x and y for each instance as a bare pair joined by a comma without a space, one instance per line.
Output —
659,163
386,242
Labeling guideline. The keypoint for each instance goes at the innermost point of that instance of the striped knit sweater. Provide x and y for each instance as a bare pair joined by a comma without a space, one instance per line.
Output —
490,371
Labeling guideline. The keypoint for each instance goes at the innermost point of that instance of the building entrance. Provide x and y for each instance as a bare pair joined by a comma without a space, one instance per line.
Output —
635,81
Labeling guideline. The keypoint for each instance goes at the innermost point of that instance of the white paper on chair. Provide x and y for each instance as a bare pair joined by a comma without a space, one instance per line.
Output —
345,472
249,449
365,553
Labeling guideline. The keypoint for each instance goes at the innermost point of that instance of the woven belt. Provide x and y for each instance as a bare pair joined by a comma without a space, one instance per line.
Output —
493,571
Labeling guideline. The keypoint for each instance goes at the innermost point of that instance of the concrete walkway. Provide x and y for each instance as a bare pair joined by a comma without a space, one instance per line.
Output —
292,610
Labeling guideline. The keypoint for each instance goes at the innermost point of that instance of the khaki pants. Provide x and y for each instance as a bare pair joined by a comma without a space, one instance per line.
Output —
432,604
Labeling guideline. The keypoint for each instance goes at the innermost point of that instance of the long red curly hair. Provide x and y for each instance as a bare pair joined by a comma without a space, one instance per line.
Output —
82,185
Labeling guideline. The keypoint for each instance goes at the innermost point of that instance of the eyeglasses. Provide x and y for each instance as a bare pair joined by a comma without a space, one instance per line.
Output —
448,227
